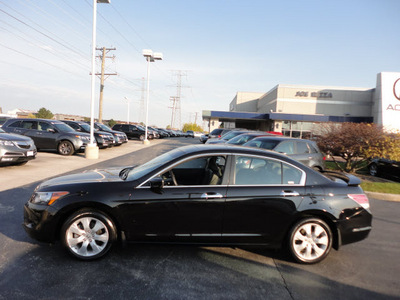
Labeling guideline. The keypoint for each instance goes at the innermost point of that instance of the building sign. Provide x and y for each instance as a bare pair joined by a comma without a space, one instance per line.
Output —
396,89
387,101
313,94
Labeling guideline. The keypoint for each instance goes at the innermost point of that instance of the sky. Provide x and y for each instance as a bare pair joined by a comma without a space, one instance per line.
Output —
220,47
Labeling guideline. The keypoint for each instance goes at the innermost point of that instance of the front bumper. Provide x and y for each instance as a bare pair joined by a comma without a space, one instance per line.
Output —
39,222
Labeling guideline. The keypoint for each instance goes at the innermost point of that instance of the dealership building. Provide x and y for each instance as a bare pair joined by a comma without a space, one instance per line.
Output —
297,110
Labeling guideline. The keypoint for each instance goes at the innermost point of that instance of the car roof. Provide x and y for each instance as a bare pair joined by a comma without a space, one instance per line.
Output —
34,119
230,149
278,138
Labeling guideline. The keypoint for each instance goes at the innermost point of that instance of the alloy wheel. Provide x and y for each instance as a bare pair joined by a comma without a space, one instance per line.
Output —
87,237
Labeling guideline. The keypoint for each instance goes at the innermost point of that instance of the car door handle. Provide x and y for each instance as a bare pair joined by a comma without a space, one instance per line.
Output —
211,195
289,193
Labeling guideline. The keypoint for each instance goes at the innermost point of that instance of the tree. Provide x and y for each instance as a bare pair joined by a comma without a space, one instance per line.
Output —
191,126
357,143
44,113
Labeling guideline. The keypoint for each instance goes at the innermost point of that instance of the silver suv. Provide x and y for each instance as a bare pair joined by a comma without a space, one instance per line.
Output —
304,151
15,149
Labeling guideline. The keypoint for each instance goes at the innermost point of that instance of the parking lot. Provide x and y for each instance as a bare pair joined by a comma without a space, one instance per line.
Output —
31,270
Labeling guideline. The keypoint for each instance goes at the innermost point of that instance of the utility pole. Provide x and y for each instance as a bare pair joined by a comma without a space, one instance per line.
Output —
102,79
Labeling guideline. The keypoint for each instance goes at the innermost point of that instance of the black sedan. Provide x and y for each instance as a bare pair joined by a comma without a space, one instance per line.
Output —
203,195
385,168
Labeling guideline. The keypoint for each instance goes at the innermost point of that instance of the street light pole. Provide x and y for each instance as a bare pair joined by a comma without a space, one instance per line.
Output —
150,57
91,150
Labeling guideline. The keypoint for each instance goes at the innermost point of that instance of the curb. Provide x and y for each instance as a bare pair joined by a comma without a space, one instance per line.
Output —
383,196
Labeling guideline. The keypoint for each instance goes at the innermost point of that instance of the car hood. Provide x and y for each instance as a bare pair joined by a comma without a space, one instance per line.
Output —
13,137
98,175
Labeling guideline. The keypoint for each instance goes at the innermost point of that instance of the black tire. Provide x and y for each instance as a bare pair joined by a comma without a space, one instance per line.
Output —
141,137
66,148
310,241
81,241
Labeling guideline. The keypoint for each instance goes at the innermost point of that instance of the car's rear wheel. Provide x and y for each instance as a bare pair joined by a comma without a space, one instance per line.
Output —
310,240
373,169
66,148
88,234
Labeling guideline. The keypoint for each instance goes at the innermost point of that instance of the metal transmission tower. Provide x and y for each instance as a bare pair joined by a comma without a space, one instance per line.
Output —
103,57
176,100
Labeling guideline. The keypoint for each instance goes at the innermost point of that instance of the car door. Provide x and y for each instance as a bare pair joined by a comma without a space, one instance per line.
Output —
302,153
46,136
190,213
29,128
261,199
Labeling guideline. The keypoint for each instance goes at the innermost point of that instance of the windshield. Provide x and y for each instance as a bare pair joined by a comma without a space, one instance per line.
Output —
63,127
241,139
230,135
104,127
264,144
150,166
85,126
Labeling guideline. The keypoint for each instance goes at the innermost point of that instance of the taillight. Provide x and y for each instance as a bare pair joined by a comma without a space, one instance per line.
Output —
219,136
324,158
361,199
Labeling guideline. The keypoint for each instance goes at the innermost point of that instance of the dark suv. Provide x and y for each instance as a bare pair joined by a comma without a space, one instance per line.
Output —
103,139
119,136
304,151
133,131
49,134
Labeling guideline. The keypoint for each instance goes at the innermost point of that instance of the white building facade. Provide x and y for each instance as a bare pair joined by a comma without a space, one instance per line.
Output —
296,110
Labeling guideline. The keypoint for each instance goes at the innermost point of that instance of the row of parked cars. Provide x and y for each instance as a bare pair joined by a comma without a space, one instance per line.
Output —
304,151
20,139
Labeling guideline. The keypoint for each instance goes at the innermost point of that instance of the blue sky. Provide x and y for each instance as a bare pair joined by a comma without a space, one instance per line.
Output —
223,47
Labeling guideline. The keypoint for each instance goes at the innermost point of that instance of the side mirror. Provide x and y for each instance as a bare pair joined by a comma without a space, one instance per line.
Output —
157,185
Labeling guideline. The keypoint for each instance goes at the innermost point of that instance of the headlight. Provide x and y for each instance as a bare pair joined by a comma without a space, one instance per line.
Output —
47,197
6,143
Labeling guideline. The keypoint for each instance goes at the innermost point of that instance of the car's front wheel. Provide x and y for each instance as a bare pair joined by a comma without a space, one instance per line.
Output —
141,137
88,234
310,240
66,148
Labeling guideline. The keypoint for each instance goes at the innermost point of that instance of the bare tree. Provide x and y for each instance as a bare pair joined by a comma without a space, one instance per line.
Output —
357,143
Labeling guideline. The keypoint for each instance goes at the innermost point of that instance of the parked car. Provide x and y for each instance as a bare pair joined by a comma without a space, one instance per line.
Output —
16,149
119,136
190,133
304,151
103,139
3,120
202,195
132,131
385,168
226,137
203,138
49,134
163,132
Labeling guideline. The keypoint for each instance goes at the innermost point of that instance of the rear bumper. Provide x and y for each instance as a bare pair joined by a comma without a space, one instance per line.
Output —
355,227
